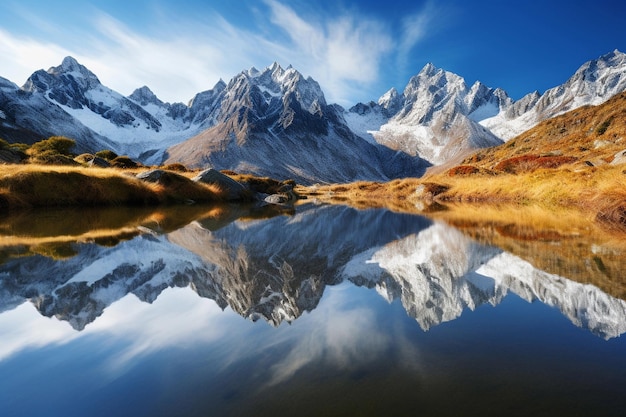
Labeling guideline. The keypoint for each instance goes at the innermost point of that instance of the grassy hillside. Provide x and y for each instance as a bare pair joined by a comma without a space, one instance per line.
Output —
582,138
576,160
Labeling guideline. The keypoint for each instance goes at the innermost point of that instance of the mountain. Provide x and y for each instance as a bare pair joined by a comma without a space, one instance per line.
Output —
593,83
586,136
277,123
137,125
439,117
28,117
436,117
272,123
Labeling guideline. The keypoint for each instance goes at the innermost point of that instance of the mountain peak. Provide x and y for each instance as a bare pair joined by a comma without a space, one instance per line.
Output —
391,101
71,66
143,95
253,72
220,85
615,58
429,69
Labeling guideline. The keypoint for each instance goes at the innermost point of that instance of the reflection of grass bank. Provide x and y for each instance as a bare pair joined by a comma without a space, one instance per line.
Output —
563,238
54,232
564,242
599,193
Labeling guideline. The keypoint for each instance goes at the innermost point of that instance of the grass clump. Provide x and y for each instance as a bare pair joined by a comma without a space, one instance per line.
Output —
53,145
264,185
33,186
106,154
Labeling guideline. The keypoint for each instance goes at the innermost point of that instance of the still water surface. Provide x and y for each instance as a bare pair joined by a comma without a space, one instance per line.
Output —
323,310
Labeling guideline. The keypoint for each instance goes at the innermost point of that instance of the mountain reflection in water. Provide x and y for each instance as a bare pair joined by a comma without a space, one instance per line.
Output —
273,266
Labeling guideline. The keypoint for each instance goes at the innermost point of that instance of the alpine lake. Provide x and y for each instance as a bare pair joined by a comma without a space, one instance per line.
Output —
313,310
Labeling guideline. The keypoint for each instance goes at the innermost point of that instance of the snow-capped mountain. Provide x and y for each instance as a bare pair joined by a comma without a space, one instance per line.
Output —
277,123
136,125
436,116
439,117
29,117
593,83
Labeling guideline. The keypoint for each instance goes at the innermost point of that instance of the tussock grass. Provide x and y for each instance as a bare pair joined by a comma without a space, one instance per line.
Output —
44,186
260,184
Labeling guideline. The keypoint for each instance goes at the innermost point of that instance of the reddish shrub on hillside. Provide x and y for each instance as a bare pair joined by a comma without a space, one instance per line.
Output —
462,170
526,163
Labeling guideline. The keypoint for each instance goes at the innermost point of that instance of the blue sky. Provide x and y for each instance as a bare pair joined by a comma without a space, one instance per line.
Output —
356,50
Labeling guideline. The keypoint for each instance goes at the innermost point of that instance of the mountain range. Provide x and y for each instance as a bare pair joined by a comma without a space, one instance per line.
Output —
276,122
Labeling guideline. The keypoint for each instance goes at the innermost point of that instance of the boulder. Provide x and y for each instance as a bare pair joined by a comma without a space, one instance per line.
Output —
92,160
163,177
153,175
619,158
236,191
99,162
277,199
284,198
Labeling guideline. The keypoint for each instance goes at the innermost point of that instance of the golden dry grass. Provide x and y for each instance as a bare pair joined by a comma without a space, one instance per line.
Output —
259,184
587,135
35,185
598,193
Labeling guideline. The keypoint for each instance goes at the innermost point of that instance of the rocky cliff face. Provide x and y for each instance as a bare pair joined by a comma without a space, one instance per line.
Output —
276,122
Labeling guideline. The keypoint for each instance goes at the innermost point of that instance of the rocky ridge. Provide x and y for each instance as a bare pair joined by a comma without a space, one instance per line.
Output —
276,122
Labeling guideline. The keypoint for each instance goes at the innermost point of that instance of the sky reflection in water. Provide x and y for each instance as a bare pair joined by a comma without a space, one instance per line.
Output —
350,351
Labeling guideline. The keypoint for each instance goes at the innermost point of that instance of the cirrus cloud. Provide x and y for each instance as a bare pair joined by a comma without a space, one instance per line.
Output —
177,56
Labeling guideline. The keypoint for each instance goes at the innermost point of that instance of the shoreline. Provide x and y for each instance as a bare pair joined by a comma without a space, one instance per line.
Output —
598,193
25,186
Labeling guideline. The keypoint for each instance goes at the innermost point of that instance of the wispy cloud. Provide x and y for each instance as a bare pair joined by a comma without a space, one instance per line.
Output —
181,57
415,28
26,55
341,335
342,53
